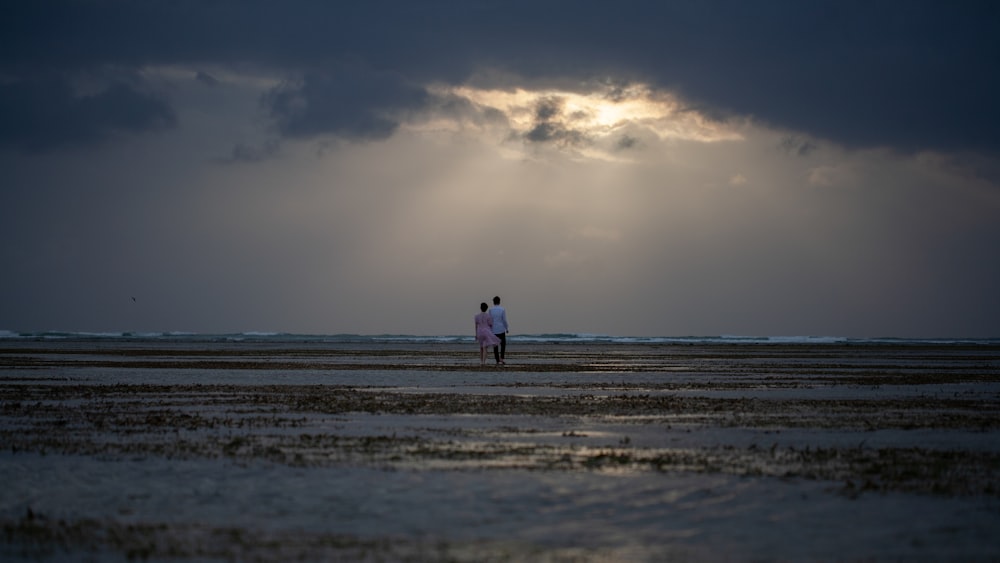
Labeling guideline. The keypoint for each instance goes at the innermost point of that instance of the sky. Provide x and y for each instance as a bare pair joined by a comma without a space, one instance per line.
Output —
711,167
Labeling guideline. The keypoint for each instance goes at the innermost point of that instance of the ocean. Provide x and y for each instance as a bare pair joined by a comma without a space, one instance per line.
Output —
550,338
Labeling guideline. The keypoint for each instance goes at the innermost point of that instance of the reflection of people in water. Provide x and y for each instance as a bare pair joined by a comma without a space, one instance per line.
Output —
484,332
500,328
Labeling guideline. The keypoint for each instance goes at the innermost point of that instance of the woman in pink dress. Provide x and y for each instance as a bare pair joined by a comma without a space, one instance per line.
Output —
484,332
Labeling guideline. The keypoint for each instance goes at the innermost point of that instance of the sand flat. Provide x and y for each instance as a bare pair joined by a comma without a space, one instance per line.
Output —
411,451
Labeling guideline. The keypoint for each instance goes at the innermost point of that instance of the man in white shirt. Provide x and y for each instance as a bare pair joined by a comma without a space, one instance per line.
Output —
500,328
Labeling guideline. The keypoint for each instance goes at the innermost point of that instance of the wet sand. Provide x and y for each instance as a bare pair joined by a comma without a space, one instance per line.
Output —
236,451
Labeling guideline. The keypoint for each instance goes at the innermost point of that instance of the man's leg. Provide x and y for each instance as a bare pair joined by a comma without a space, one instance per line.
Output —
496,351
503,345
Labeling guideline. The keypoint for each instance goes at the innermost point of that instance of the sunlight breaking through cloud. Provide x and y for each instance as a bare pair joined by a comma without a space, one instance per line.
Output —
603,124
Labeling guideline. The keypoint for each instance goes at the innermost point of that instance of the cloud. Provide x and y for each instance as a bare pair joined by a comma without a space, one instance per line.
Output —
46,113
350,101
597,121
550,125
250,153
206,79
903,74
626,142
797,146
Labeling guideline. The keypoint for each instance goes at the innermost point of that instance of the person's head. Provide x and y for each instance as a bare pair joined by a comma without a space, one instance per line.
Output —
483,307
496,300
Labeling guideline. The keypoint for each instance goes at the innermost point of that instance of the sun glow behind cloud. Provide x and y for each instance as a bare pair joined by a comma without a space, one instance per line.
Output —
600,124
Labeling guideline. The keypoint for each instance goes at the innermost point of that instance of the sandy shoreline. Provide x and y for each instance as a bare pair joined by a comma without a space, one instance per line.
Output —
696,443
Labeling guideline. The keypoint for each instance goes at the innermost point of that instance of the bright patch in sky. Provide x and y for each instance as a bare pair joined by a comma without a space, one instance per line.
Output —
600,124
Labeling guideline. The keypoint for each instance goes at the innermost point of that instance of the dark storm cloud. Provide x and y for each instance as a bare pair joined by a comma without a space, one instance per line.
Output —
548,109
909,74
40,114
552,126
906,74
350,102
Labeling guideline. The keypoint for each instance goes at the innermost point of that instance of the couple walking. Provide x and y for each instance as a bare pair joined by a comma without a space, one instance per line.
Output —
491,330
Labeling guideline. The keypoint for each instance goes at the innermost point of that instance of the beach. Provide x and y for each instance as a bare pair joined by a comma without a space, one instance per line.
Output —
119,449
